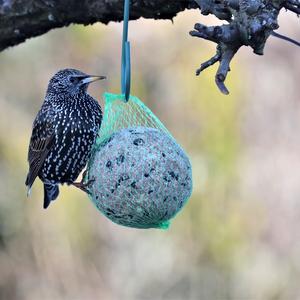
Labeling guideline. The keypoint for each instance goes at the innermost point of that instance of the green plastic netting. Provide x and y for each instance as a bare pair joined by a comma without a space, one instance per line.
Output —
119,114
142,176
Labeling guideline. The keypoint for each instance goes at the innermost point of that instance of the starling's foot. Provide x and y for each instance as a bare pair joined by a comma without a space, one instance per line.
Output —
84,186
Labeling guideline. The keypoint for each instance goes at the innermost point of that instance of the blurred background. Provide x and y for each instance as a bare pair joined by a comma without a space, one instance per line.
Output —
237,238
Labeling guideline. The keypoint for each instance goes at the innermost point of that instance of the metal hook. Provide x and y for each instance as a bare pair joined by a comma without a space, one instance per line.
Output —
126,65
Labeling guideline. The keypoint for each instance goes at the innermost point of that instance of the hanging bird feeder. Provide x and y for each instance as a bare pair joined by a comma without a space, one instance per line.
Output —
142,177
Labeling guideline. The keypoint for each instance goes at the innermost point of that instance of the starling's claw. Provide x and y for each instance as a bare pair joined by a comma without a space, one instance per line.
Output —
84,186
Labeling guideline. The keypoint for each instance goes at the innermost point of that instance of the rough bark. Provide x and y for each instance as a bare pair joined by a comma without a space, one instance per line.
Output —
248,22
22,19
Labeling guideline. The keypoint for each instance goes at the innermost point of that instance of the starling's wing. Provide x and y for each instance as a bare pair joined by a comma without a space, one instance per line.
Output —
41,141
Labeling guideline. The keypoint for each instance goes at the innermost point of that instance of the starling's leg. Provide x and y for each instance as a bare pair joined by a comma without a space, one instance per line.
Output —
84,186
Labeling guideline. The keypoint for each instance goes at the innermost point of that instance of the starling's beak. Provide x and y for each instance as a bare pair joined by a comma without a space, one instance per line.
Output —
91,78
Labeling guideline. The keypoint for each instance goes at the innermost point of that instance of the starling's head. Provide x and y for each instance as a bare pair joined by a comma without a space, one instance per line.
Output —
71,81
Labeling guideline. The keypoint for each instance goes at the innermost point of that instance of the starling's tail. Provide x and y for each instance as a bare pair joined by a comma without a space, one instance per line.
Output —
51,192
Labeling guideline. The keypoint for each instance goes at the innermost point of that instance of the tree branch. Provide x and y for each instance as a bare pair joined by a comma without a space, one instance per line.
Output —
250,23
22,19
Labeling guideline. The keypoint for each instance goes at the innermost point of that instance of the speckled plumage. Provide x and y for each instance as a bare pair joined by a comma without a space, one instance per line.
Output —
64,132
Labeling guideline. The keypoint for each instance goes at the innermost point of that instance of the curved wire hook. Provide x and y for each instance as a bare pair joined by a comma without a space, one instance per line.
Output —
126,65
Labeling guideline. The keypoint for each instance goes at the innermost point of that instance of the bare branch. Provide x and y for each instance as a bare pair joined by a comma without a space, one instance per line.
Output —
22,19
250,23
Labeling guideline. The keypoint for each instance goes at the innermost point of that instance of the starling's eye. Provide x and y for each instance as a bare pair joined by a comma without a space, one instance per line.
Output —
73,79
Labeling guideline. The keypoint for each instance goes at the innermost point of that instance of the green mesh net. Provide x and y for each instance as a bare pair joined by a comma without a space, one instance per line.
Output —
119,114
142,176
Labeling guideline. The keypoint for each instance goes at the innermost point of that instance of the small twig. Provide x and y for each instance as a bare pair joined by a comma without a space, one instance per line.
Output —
285,38
293,7
205,32
294,2
208,63
223,69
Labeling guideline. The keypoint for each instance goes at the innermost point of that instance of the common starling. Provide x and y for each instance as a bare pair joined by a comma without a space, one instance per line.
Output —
63,133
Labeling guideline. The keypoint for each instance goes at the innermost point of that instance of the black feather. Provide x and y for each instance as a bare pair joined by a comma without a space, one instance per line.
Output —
51,192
